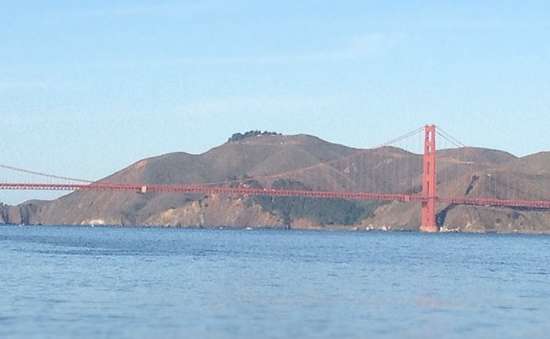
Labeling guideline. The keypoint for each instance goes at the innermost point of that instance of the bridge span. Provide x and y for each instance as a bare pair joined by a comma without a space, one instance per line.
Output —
428,197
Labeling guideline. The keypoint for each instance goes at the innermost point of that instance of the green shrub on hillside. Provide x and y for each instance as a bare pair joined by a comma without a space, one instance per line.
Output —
241,136
322,211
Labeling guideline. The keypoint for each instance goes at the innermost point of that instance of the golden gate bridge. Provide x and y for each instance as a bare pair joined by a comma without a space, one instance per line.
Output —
426,196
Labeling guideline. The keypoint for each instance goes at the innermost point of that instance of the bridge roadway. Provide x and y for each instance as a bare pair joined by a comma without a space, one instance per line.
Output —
209,189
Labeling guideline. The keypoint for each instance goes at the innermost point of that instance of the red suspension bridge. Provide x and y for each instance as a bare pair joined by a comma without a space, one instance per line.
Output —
426,195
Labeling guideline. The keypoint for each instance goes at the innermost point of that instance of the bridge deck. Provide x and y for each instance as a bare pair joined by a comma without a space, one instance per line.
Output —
208,189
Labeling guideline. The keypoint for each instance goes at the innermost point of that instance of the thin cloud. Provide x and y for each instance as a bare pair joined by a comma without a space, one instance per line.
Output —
151,9
356,48
259,105
21,85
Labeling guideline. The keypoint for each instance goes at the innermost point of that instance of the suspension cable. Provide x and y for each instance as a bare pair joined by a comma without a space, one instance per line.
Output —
46,175
328,162
299,170
450,137
403,137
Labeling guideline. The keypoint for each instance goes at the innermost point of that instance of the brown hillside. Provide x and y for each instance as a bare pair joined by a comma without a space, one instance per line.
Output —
307,162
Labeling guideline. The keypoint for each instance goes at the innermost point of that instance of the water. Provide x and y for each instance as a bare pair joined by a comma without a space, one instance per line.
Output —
59,282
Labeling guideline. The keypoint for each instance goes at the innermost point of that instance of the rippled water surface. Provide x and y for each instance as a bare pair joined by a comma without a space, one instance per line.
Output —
58,282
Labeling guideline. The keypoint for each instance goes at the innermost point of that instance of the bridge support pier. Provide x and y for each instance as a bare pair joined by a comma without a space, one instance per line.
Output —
428,222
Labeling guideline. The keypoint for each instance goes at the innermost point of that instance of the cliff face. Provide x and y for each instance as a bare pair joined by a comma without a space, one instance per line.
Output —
270,160
26,213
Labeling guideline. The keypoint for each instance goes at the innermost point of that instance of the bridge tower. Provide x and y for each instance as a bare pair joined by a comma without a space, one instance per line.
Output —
429,182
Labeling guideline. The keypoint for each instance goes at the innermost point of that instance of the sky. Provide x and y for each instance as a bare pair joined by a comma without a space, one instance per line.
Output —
89,87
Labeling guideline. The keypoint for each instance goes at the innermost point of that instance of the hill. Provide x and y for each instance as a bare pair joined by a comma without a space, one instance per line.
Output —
267,159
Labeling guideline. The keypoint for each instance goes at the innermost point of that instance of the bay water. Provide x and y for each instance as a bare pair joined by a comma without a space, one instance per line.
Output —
102,282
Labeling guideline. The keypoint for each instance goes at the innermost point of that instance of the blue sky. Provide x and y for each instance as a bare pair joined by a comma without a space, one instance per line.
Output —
88,87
